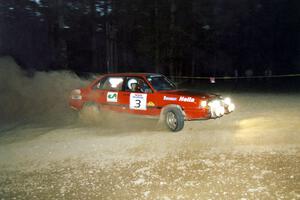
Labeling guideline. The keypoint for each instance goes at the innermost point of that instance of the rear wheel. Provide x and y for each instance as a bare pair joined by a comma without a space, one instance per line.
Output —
90,113
174,119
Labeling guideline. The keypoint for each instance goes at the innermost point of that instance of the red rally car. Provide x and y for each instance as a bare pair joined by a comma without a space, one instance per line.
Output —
152,95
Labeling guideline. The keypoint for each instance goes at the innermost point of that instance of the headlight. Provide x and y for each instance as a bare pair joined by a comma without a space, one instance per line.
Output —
215,103
203,104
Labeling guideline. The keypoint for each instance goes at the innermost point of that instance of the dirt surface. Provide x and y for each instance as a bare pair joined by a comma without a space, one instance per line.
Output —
46,153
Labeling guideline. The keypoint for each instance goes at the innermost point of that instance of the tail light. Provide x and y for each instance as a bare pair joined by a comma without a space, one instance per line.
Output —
76,94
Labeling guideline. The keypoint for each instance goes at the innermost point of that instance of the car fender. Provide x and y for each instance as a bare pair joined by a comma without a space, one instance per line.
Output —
165,108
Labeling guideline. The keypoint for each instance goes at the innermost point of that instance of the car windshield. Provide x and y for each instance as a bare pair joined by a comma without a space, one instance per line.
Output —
160,82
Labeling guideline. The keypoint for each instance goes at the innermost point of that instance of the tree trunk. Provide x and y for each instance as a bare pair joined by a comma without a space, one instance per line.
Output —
60,44
108,55
93,35
110,41
172,39
156,53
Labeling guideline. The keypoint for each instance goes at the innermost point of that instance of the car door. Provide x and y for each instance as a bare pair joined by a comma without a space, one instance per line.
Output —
107,93
140,100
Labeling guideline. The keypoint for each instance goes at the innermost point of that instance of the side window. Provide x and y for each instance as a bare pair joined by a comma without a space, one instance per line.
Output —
136,84
99,84
110,83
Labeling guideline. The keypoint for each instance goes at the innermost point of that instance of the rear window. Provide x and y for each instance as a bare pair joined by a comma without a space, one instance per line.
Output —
110,83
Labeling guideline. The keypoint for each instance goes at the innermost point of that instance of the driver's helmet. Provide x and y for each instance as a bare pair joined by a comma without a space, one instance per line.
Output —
131,81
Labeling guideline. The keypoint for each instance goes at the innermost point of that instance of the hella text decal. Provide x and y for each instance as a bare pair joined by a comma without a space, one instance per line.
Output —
186,99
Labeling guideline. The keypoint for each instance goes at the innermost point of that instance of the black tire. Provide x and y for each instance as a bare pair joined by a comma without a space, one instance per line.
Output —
174,119
90,113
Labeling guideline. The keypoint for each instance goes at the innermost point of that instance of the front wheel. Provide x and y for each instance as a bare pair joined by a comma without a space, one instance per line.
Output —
174,119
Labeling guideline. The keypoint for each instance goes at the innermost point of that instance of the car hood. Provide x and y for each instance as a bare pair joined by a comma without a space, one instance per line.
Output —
191,93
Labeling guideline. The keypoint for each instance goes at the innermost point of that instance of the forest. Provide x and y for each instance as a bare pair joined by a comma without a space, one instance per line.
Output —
174,37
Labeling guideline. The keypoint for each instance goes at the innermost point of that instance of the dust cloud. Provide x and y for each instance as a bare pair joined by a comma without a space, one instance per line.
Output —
46,153
41,97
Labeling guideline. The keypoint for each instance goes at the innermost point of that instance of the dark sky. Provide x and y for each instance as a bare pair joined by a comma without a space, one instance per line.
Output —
171,36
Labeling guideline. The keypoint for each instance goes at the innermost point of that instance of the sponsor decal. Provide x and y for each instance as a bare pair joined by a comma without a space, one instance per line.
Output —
186,99
112,97
138,101
170,98
150,103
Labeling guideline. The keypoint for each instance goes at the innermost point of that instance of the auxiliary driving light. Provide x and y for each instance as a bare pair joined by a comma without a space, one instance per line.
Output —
231,107
227,101
217,109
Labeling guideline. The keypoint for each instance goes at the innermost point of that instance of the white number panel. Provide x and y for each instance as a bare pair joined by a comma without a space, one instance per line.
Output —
138,101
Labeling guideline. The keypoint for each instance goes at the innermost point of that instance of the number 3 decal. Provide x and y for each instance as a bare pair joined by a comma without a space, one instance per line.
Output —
138,101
